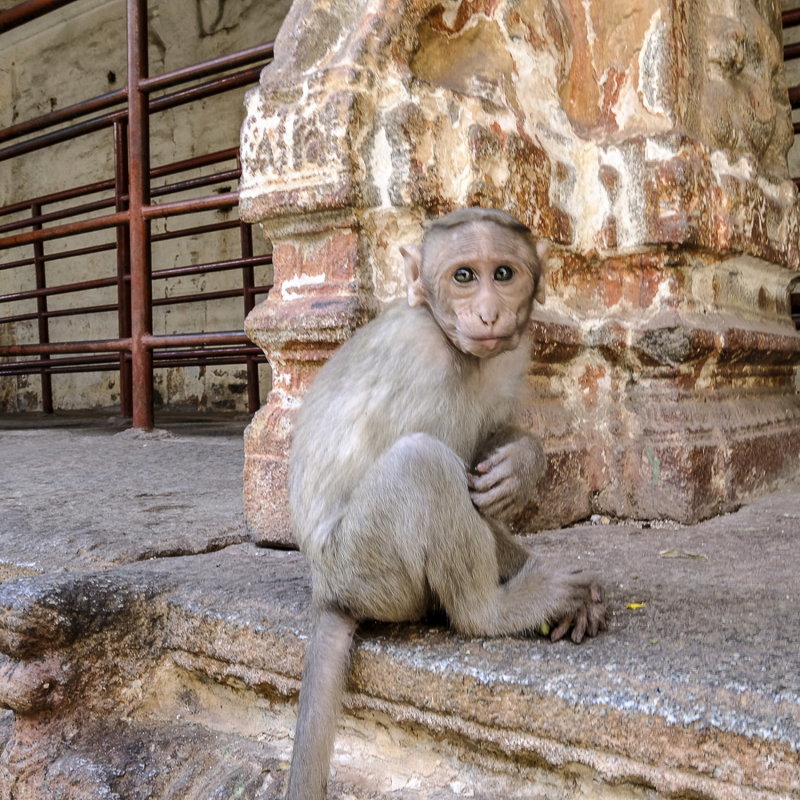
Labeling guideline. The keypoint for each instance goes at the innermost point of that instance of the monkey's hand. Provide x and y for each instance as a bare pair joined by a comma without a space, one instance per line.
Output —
502,483
588,618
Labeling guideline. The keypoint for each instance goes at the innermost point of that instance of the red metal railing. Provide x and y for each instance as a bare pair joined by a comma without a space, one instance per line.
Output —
791,19
126,206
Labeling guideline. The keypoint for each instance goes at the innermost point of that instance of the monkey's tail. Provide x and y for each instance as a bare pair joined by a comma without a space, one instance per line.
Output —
324,679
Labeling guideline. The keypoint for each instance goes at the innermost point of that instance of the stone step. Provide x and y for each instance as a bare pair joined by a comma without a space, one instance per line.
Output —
141,678
182,672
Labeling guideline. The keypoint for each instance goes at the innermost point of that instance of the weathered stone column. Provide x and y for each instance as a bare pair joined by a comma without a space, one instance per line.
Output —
649,145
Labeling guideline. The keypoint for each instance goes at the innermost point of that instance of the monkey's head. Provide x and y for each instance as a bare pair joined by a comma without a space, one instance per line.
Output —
479,271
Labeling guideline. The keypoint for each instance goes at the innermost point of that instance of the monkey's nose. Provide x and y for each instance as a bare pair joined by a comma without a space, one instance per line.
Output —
488,315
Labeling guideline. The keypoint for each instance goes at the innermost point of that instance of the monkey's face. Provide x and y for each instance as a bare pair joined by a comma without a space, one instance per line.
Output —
480,286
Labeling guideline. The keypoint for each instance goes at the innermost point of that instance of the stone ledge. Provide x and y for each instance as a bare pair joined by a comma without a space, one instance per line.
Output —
697,693
176,677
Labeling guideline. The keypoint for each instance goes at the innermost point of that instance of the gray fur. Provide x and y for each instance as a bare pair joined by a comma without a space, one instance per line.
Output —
405,468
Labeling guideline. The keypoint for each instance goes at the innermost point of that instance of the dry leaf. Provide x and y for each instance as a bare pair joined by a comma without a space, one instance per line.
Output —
683,554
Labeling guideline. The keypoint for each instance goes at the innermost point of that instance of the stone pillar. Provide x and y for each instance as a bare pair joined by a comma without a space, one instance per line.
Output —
649,145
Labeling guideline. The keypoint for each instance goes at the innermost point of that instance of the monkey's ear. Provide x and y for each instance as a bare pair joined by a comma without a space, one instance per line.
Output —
412,257
542,250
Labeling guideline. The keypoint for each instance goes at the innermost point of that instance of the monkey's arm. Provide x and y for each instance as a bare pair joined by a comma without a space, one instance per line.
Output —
507,469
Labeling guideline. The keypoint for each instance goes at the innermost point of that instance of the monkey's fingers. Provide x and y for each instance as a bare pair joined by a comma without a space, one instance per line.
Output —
597,619
579,628
494,460
495,504
589,620
563,626
487,479
490,489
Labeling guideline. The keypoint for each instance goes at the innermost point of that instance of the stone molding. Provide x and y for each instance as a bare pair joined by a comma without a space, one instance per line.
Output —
591,126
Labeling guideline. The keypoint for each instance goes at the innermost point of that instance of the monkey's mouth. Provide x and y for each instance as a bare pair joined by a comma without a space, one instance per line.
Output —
492,339
489,345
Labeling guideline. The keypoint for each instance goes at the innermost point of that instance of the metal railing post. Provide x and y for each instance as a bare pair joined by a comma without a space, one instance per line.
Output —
248,292
138,198
123,266
41,311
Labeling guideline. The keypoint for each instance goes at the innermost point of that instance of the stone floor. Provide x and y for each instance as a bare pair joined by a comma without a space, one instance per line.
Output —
150,651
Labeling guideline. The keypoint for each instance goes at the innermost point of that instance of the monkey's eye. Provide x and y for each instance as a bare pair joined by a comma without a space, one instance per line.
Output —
503,273
463,275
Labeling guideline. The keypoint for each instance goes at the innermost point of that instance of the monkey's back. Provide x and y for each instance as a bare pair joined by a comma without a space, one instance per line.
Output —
397,375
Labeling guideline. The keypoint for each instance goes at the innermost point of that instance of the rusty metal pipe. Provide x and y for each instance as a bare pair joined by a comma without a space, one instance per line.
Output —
178,207
211,67
219,352
195,183
118,96
63,312
92,346
123,266
108,185
203,90
194,162
32,367
111,99
214,266
27,11
95,205
201,362
57,197
195,339
791,51
110,366
65,114
199,92
133,208
68,229
197,297
61,135
139,226
24,262
93,363
210,228
248,286
65,288
41,310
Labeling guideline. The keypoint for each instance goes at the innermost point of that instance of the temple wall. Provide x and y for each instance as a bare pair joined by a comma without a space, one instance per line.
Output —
649,147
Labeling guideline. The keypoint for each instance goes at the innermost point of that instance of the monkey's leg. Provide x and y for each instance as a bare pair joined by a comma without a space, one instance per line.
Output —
412,533
324,678
511,554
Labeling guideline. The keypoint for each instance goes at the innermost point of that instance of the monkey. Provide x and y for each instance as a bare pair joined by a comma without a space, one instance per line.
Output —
406,468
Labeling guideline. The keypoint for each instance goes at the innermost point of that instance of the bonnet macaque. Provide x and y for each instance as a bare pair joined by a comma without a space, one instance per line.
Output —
406,468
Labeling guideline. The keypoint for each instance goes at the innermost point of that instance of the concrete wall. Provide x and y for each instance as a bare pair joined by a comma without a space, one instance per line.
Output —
79,52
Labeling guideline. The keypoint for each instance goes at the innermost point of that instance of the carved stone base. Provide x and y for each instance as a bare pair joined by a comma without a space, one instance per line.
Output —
650,148
316,303
678,402
671,397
